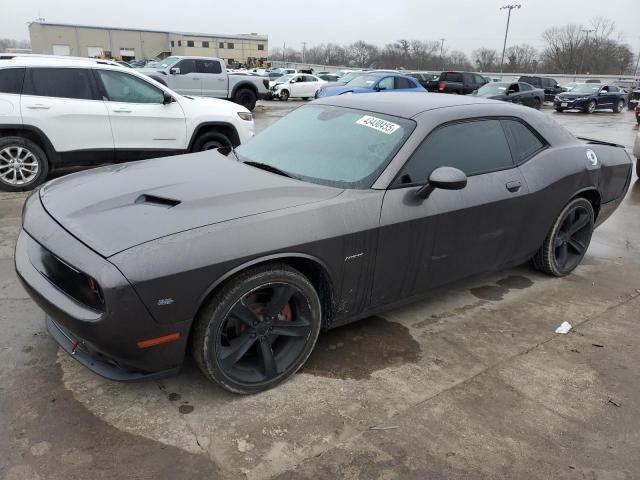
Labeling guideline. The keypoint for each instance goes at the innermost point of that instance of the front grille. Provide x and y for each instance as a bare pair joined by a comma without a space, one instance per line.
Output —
81,287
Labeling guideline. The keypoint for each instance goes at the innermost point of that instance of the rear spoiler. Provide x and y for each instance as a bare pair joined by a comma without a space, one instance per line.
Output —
593,141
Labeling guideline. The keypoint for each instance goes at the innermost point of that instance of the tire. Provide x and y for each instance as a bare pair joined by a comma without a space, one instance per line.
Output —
284,95
537,103
246,97
210,141
638,165
23,164
305,98
619,106
562,251
240,352
591,107
559,110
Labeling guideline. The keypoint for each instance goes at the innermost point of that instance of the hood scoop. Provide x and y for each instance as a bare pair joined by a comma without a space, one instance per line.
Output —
157,201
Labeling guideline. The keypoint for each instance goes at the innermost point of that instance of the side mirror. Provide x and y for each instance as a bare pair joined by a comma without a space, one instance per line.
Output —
167,98
445,178
174,71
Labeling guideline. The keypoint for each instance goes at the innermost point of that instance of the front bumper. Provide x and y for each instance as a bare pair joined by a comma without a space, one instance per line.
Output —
104,341
570,103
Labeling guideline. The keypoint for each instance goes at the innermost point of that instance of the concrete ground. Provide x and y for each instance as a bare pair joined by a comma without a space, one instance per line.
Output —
471,383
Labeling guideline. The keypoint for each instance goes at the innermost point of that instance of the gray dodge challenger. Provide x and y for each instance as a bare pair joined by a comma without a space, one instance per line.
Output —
346,207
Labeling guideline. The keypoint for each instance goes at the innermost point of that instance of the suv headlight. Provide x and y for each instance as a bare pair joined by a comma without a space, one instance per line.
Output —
246,116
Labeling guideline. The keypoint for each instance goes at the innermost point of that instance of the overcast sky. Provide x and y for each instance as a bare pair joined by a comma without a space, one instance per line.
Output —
466,24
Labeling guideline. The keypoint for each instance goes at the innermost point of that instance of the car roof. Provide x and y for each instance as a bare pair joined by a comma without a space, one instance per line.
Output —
10,60
403,104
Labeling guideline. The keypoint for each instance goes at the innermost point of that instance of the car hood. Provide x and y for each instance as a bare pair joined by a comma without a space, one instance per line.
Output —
329,91
114,208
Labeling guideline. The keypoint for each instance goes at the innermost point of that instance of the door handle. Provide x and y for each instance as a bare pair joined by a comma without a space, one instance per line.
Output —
38,106
122,110
514,186
221,79
196,78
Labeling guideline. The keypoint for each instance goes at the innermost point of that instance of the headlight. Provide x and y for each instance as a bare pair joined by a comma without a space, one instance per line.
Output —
246,116
582,98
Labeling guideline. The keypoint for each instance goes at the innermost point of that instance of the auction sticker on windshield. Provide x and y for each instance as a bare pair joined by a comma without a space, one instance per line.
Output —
378,124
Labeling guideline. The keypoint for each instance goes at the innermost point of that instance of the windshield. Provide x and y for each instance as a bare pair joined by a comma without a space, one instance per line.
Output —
284,78
493,89
363,81
585,88
166,63
328,145
347,77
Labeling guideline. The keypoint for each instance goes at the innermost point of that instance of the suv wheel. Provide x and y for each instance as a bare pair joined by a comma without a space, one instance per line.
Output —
619,106
23,164
210,141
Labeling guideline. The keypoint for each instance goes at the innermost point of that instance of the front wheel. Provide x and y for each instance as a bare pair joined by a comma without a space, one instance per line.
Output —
591,106
568,240
536,103
284,95
246,97
23,164
210,141
559,110
258,330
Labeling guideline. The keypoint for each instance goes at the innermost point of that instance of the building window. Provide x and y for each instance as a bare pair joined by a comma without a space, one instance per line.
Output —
230,46
190,43
221,45
260,46
205,44
230,61
172,43
179,43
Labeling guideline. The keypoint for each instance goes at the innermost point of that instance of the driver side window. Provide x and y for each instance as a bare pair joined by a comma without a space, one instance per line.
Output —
188,65
386,83
475,147
122,87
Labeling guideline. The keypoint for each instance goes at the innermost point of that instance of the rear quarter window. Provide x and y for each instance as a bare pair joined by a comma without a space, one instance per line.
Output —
523,142
11,80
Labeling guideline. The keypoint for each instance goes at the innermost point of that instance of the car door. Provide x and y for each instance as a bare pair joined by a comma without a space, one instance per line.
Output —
451,234
297,87
314,84
143,125
605,98
65,104
185,78
215,82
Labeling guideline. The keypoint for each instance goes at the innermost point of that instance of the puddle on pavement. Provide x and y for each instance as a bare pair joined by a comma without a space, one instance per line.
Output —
497,292
434,318
357,350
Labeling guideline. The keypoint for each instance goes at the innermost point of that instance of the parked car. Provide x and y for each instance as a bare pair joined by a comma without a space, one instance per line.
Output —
373,82
590,97
567,87
459,83
208,77
626,85
549,85
516,92
342,80
423,78
243,260
61,112
296,86
592,80
637,112
633,99
329,77
123,64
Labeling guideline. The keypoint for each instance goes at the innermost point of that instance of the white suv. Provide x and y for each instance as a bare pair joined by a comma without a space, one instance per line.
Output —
56,112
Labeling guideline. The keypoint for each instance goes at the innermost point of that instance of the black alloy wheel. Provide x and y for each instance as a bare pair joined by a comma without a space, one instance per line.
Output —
258,330
565,246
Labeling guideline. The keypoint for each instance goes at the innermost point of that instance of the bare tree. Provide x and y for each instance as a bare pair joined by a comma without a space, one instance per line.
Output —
6,43
362,54
486,59
521,58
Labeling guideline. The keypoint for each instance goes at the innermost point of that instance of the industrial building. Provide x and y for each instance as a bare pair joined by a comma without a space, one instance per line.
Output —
129,44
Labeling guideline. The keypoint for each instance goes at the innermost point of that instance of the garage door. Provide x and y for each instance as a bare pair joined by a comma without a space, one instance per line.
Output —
95,52
127,52
61,50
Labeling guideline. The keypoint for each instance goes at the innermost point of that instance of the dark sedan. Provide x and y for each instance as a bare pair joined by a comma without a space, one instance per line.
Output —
344,208
517,92
590,97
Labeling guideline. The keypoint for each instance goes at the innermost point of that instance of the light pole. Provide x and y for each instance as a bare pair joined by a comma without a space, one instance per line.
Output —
304,50
441,51
506,32
586,43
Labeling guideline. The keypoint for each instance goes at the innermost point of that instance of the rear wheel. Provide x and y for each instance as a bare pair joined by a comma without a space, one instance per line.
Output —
210,141
23,164
568,240
619,106
591,107
537,103
258,330
246,97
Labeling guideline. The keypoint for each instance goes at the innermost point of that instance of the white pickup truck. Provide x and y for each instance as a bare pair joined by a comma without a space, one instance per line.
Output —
208,77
